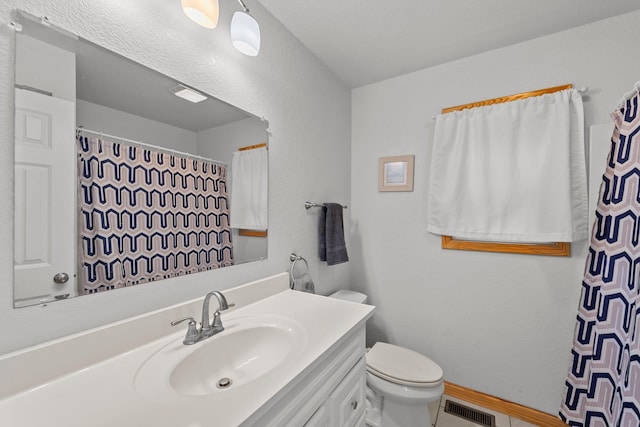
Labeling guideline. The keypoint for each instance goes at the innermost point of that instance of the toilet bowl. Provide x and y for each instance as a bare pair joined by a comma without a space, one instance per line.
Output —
400,382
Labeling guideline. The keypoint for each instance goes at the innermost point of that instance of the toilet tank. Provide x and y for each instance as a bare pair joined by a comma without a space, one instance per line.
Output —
351,296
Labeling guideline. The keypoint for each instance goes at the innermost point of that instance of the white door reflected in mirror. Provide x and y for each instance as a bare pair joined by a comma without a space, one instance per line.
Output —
44,197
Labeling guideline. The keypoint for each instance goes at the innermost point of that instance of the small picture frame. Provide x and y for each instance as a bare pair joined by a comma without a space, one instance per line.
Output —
395,173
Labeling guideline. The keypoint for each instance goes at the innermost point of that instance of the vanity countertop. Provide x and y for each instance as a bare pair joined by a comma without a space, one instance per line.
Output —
105,393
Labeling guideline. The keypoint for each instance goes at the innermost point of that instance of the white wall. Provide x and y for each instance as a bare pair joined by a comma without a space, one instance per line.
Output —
498,323
118,123
220,142
285,84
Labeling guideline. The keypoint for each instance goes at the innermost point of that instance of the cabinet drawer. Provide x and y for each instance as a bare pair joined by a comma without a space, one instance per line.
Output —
362,421
347,402
319,419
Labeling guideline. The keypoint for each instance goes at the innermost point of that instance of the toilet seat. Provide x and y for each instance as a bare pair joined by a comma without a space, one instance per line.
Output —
402,366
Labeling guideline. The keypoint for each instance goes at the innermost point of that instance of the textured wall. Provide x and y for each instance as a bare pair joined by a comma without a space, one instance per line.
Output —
499,323
308,109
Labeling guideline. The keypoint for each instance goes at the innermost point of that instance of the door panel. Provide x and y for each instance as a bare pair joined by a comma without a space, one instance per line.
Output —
45,185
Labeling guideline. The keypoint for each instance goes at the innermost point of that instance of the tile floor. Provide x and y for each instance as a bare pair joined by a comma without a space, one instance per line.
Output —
443,419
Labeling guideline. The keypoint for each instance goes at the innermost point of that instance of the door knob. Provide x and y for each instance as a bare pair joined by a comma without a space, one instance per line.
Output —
61,278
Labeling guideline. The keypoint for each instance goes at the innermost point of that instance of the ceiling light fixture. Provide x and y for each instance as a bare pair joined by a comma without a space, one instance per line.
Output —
245,31
203,12
188,94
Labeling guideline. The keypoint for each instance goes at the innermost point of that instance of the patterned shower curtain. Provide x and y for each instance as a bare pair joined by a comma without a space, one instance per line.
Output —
147,215
603,384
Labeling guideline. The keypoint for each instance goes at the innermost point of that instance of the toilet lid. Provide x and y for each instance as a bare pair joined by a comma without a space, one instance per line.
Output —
402,366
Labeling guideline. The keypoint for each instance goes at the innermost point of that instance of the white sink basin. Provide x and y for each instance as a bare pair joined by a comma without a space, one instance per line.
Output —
231,360
247,349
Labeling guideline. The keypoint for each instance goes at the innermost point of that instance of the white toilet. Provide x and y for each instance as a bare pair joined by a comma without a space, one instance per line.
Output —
400,382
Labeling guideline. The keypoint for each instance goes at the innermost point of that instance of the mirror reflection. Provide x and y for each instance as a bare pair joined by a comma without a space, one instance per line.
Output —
123,175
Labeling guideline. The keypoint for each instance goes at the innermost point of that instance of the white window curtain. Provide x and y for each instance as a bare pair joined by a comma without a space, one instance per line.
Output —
249,189
511,172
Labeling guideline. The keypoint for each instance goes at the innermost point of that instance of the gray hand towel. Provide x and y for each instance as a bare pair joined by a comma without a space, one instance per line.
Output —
331,245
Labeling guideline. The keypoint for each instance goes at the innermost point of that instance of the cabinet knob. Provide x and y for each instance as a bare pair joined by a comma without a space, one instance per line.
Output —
354,404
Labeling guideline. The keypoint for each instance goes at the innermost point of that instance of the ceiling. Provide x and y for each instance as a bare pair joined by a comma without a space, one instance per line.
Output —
365,41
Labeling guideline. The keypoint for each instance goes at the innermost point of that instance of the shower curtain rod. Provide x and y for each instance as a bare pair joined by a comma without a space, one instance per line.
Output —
153,147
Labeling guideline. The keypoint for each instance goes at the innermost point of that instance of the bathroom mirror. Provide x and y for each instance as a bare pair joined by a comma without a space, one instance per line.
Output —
69,89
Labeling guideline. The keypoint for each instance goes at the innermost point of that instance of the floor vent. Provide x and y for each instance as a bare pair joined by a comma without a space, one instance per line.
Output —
470,414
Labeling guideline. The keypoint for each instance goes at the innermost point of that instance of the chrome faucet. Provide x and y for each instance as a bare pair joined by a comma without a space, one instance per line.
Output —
207,329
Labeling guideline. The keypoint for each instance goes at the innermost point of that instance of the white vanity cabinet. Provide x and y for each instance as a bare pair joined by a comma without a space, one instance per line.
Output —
319,419
347,402
330,394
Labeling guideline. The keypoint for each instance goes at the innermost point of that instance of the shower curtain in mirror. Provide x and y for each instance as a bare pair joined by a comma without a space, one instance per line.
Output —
146,215
603,384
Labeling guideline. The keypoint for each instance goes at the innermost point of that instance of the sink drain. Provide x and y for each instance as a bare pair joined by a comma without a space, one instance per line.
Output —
224,382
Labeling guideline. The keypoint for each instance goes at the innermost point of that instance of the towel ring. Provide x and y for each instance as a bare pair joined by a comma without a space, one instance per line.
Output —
295,258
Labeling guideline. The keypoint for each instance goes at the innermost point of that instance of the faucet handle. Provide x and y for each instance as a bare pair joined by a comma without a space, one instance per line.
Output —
192,330
217,322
